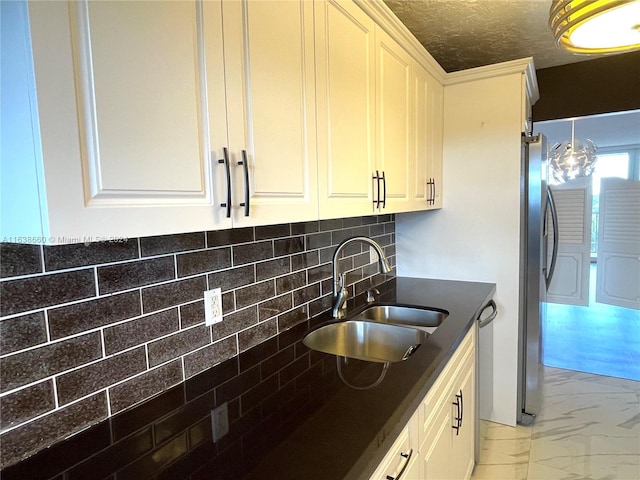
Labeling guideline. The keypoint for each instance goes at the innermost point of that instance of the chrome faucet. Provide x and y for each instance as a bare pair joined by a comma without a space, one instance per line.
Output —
340,293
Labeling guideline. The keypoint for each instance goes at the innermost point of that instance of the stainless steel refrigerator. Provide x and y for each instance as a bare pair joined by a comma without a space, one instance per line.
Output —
538,252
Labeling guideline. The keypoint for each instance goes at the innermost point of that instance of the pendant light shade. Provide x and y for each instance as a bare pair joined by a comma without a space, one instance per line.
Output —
596,26
572,158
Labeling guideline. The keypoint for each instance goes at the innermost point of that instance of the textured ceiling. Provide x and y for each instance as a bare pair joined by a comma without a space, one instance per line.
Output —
462,34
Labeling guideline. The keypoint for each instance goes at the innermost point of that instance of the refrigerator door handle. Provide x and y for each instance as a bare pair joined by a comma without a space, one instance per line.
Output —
554,222
490,318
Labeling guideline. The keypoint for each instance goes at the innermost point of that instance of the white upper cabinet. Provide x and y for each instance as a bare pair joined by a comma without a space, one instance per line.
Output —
394,108
122,135
135,104
139,118
426,171
123,139
345,73
379,119
269,68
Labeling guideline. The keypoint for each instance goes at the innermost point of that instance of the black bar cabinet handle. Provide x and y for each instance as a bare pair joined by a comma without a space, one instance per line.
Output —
384,190
461,407
457,420
433,195
406,459
376,201
225,161
245,167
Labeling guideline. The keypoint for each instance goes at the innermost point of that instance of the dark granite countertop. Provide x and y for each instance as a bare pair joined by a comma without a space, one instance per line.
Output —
348,436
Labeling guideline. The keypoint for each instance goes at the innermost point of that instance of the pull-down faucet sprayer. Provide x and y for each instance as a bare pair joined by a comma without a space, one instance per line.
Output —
340,293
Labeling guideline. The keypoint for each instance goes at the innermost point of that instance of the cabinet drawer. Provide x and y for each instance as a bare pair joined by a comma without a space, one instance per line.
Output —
442,388
397,459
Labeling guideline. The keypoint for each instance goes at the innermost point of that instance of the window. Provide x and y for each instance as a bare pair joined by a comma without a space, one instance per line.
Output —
620,163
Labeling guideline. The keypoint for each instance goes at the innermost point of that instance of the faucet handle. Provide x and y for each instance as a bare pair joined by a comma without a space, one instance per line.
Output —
370,293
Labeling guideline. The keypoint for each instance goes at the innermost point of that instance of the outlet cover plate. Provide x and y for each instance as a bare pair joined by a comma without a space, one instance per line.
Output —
219,422
212,306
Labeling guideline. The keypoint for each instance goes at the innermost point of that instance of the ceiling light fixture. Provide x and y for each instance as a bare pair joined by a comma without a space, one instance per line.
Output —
572,158
596,26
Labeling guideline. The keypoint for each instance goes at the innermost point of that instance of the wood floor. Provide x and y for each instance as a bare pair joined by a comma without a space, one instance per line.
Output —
600,339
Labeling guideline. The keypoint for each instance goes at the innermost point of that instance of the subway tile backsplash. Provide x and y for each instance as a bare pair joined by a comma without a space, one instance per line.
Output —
88,331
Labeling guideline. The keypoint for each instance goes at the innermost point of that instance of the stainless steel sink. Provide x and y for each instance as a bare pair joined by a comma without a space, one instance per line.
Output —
426,318
370,341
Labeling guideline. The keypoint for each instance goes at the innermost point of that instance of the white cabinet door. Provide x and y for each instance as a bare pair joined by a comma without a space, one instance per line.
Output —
345,76
394,109
125,134
447,418
269,68
463,441
436,452
426,164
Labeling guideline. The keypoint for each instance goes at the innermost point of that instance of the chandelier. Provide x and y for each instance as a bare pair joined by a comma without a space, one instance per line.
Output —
596,26
572,158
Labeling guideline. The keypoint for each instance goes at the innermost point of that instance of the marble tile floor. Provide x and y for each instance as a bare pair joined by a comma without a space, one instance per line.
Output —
588,428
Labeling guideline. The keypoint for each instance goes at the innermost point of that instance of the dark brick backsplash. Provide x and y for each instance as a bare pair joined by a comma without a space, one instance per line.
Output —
47,430
254,252
254,335
255,293
26,404
274,306
32,293
203,261
174,293
141,330
177,345
32,365
99,375
210,355
162,244
117,326
273,231
114,278
192,313
235,322
232,278
273,268
144,386
230,237
80,255
22,332
80,317
18,259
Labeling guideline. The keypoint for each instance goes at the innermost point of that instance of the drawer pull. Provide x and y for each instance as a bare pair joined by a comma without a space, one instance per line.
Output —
407,458
460,412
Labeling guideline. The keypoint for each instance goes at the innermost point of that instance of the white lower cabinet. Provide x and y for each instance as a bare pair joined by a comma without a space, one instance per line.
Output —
438,442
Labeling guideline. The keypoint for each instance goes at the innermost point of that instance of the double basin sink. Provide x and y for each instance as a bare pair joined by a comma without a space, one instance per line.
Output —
380,333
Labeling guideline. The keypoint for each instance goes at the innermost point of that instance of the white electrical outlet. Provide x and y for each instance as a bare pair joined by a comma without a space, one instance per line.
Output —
219,422
212,306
